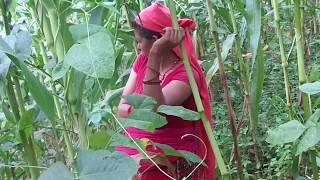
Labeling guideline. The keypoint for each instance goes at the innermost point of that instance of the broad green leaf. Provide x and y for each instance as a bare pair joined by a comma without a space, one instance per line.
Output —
226,46
92,55
4,47
144,125
57,171
310,138
98,16
315,116
104,165
99,140
168,150
310,88
189,156
111,7
22,45
140,101
111,95
18,44
285,133
179,111
38,91
59,71
147,116
81,32
118,139
26,121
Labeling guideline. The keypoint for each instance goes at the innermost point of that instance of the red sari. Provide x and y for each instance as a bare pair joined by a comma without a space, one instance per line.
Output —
156,17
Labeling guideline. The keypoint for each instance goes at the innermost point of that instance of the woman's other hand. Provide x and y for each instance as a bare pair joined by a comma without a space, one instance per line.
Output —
171,38
123,111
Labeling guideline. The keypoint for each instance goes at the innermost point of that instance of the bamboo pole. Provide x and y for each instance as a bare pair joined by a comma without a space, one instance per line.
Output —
284,62
197,98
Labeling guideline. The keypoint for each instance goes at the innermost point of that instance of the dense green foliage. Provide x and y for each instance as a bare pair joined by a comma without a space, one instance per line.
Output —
63,66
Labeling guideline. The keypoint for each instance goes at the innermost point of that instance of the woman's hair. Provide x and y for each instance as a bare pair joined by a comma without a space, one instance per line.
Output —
145,33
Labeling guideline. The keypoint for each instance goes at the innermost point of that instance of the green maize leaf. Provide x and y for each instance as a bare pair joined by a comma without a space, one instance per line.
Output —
57,171
257,87
38,91
285,133
310,88
179,111
253,16
48,4
226,46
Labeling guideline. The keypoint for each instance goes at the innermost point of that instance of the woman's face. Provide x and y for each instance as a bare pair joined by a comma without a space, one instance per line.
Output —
143,45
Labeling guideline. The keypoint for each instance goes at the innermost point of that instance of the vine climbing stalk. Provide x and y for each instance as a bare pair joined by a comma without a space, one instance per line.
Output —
197,98
223,79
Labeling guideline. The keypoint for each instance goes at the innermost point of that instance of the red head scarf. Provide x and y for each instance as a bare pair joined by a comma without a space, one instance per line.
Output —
157,17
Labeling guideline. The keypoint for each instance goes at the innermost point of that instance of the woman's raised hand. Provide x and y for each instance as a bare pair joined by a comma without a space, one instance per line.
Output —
171,38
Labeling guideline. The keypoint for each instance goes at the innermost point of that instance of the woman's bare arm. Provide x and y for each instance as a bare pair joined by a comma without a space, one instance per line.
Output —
123,107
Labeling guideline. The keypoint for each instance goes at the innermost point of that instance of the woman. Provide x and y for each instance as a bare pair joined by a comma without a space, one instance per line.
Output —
159,72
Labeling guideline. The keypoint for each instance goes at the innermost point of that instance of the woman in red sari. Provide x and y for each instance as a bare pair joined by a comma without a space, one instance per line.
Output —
159,72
